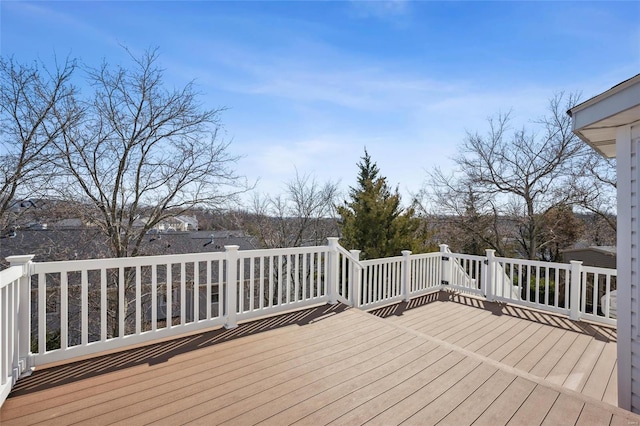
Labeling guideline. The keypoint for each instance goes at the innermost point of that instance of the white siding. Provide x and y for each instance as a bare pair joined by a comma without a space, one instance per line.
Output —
626,159
628,148
634,132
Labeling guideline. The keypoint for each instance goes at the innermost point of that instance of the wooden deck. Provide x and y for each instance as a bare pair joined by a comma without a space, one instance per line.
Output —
577,355
334,365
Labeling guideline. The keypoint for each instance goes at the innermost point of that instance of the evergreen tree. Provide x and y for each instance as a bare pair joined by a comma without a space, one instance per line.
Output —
373,220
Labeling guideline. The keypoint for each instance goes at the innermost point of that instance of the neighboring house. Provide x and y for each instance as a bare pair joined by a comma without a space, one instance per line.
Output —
178,224
599,256
68,223
610,123
173,224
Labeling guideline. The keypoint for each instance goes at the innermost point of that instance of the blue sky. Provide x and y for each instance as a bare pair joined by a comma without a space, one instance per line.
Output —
309,84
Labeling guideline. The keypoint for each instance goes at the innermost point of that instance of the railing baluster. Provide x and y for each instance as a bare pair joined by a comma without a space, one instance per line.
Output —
271,272
64,310
138,299
196,291
103,304
607,297
121,302
84,307
556,292
183,293
262,282
296,277
312,272
169,297
252,266
42,313
154,297
280,280
9,310
304,276
221,286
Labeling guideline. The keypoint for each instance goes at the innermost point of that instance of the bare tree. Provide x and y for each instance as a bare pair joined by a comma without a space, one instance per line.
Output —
140,153
31,95
303,215
519,175
467,220
596,183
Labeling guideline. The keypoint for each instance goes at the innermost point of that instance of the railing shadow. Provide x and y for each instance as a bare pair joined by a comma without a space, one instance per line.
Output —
599,332
399,308
157,353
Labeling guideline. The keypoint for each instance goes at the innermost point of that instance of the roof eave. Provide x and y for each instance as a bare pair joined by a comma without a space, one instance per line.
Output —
596,120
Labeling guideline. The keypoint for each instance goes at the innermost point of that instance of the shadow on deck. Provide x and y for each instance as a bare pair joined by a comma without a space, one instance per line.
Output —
47,377
599,332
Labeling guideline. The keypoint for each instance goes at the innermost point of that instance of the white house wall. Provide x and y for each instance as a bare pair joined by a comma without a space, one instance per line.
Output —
635,272
628,147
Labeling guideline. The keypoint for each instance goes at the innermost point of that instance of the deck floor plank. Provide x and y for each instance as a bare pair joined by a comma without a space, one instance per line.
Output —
332,411
212,394
495,337
535,408
563,368
451,325
505,405
229,361
424,395
294,393
565,410
611,393
272,404
598,380
582,370
469,324
593,416
234,350
440,313
541,350
554,355
450,367
512,352
453,397
473,407
479,330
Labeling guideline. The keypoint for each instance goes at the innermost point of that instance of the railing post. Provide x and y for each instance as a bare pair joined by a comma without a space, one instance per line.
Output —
490,283
24,315
354,279
576,274
232,286
334,273
406,275
445,265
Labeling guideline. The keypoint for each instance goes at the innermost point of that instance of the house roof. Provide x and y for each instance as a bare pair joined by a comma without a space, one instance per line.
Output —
88,243
606,250
596,120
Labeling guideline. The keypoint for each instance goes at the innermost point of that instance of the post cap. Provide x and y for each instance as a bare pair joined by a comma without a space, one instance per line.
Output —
20,259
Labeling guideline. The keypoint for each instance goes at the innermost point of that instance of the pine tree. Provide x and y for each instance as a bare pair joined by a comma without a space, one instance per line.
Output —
373,220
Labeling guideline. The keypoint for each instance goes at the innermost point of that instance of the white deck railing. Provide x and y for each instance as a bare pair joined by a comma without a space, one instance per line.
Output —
14,321
76,308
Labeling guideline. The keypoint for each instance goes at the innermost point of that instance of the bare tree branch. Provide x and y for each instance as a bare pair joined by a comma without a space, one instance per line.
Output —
31,97
140,153
518,176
